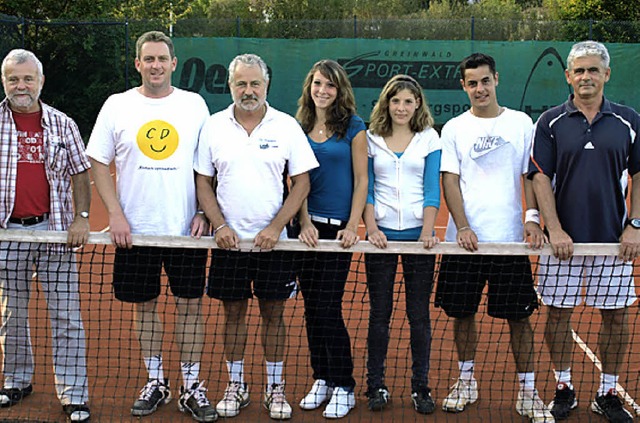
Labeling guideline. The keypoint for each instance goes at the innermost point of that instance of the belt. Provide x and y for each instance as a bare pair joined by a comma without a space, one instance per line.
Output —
29,221
326,220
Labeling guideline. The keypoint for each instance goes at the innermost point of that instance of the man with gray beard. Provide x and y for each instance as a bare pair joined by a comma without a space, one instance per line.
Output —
246,148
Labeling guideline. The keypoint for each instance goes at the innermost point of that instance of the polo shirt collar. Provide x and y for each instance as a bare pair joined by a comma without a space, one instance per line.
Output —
605,107
267,116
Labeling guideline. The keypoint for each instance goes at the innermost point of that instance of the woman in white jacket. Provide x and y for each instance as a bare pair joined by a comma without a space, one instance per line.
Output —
402,204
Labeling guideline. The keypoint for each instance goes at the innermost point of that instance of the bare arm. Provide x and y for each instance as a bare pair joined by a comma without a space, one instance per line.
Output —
78,231
466,237
561,242
119,226
225,237
630,239
374,234
428,224
349,235
269,236
308,232
532,230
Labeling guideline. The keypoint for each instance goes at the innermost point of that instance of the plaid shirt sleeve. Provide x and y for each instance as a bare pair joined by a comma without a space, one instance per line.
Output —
65,156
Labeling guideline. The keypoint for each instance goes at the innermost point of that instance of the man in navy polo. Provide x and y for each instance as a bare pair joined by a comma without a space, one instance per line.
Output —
583,153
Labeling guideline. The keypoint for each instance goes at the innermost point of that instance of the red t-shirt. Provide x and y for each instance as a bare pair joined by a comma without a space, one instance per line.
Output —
32,187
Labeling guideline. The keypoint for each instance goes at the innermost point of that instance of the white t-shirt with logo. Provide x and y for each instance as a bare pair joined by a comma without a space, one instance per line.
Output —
490,156
249,168
153,142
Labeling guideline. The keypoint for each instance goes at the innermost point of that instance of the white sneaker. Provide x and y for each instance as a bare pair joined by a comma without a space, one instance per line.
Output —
342,401
462,393
236,397
530,405
318,394
276,402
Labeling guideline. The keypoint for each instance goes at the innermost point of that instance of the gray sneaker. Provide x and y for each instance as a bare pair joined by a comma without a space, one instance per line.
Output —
194,400
152,395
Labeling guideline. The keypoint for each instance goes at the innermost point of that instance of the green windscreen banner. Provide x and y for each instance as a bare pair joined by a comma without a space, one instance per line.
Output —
531,73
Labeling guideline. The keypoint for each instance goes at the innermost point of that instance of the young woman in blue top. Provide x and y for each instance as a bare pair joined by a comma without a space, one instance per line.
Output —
327,113
402,203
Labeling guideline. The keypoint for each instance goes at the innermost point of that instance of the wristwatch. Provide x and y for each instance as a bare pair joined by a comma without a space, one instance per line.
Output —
85,214
634,222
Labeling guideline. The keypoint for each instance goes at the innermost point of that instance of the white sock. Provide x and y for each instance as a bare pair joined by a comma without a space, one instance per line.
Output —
607,383
527,382
274,372
154,367
564,376
466,370
236,371
190,374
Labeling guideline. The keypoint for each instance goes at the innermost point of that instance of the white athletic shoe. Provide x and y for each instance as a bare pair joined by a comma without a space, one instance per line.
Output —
276,402
319,394
461,394
236,397
342,401
530,405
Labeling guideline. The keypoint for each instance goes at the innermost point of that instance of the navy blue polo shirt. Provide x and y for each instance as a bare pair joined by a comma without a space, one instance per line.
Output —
588,165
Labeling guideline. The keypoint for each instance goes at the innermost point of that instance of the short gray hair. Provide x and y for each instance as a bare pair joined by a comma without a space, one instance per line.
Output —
588,48
249,60
21,56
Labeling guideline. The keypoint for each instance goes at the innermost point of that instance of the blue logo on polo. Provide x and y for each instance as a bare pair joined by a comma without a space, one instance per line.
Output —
267,143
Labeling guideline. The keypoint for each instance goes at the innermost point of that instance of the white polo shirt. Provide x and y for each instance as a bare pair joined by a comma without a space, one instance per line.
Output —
249,168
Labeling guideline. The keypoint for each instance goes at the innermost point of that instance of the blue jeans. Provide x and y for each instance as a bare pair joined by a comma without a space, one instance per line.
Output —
322,281
418,279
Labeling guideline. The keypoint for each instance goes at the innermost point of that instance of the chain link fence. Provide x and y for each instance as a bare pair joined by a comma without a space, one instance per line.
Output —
85,62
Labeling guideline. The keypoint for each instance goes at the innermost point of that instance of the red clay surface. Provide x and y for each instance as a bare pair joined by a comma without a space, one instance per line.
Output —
116,371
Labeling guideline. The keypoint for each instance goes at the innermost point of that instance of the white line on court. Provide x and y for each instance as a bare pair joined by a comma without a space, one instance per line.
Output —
596,361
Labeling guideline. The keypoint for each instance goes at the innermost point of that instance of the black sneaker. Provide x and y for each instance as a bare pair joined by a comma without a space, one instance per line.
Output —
378,398
77,412
610,406
11,396
422,401
563,402
152,395
194,400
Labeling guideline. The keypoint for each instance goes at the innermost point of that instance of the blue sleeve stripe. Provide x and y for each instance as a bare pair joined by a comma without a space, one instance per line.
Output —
370,197
431,183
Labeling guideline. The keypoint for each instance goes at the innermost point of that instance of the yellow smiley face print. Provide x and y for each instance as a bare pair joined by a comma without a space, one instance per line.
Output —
158,139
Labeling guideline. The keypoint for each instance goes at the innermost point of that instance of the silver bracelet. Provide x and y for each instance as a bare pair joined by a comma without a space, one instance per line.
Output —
224,225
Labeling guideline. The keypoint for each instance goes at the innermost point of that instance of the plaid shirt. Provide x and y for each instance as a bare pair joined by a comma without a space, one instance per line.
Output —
64,156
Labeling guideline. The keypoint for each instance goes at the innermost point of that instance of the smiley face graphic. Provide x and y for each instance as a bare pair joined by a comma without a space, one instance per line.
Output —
158,139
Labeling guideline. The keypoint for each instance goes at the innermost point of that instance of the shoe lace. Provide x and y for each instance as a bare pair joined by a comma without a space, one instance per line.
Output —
147,390
232,392
460,389
199,393
276,395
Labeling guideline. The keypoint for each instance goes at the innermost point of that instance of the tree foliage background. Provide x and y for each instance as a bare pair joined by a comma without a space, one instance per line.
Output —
86,46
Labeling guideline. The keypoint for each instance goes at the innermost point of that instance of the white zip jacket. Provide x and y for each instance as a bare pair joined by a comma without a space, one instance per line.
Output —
399,182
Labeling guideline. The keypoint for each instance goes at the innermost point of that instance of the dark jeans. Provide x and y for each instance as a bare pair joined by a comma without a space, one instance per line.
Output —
322,280
418,279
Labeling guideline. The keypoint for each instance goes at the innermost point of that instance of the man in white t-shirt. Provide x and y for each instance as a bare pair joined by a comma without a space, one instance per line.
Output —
151,132
247,147
485,153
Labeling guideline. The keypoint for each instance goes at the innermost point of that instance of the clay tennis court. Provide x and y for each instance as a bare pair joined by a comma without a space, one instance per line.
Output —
116,371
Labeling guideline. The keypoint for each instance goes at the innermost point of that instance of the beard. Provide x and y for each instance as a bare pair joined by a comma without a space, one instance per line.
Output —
249,107
24,100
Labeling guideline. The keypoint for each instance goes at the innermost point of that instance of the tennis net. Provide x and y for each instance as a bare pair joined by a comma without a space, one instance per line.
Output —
116,371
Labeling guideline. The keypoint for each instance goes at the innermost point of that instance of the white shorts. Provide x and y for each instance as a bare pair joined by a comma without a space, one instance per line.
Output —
603,282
